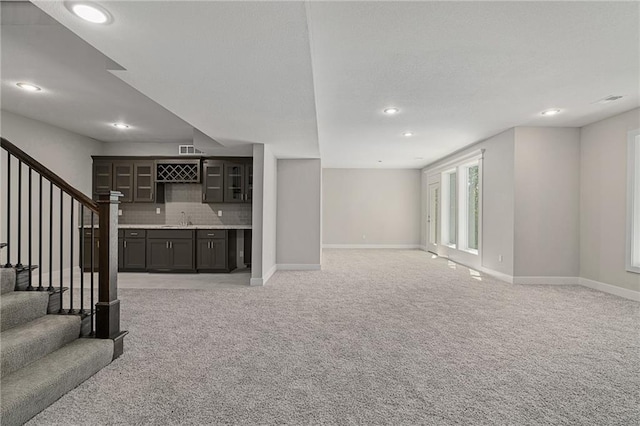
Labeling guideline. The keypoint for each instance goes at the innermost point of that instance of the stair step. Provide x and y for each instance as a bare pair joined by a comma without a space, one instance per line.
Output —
3,245
21,307
7,280
30,390
29,342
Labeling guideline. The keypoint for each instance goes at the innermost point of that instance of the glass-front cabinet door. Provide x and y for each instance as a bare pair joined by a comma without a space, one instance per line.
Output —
143,181
123,180
234,182
212,186
249,183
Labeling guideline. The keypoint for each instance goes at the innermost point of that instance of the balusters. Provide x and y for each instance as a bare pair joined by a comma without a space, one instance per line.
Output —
40,287
61,247
19,264
29,228
81,259
71,261
8,264
50,288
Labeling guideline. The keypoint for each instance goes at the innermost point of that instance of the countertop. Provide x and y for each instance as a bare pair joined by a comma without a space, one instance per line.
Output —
128,226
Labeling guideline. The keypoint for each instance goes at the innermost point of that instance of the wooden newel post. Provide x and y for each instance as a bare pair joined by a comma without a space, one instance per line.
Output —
108,306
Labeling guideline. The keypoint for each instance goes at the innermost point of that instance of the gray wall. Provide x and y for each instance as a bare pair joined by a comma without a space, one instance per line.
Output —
547,202
299,220
65,153
603,200
383,205
497,200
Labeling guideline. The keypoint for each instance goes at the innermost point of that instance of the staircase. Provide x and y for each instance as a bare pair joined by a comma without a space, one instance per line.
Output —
48,346
42,356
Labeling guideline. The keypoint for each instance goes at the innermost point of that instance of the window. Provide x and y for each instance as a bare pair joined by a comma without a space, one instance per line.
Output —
633,202
460,208
449,208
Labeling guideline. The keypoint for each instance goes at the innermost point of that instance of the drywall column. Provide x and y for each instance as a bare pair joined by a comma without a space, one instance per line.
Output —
603,203
263,249
299,218
547,205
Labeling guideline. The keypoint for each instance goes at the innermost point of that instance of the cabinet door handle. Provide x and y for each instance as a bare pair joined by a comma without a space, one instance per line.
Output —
170,244
211,235
204,196
134,233
98,243
166,244
125,243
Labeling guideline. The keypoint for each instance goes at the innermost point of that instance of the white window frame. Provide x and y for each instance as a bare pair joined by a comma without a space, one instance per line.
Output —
633,202
463,204
460,167
445,206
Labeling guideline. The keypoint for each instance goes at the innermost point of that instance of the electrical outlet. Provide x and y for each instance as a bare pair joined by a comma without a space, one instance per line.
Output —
499,258
119,212
219,213
364,237
157,210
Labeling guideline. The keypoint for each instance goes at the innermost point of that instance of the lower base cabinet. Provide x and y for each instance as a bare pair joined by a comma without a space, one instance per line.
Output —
170,250
216,250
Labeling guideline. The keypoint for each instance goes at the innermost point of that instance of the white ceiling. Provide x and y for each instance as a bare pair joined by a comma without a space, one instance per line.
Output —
78,92
313,77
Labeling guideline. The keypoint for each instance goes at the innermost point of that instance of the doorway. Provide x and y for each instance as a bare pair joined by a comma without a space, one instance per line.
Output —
433,217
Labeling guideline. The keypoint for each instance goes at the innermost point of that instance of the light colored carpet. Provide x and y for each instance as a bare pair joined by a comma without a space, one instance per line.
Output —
377,337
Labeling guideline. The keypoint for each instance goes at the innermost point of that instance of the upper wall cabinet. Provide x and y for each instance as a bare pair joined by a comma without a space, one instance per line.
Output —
134,179
143,182
178,171
102,177
123,180
212,181
235,186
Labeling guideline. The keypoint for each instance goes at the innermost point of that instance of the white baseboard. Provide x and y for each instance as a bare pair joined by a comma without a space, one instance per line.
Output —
372,246
423,248
263,281
298,267
495,274
547,280
611,289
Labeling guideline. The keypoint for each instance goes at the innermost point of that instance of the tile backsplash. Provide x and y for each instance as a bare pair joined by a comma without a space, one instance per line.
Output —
187,198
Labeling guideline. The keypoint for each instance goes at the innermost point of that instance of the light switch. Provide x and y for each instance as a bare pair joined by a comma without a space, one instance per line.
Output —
220,213
499,258
157,210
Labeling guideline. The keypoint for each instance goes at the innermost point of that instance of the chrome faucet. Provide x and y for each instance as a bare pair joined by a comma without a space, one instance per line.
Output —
183,219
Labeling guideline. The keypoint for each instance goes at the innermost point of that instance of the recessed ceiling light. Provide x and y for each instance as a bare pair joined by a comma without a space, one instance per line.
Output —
407,134
91,13
29,87
121,125
391,110
550,112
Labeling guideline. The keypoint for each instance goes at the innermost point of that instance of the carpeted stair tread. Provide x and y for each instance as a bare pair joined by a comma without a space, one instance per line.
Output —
29,342
3,245
21,307
32,389
7,280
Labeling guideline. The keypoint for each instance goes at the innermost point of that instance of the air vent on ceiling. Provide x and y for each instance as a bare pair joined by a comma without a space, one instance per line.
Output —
606,100
188,150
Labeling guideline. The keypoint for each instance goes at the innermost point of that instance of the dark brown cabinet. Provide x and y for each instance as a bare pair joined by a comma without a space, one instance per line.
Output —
216,250
170,250
213,181
234,182
86,249
133,251
143,182
102,177
133,178
123,180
